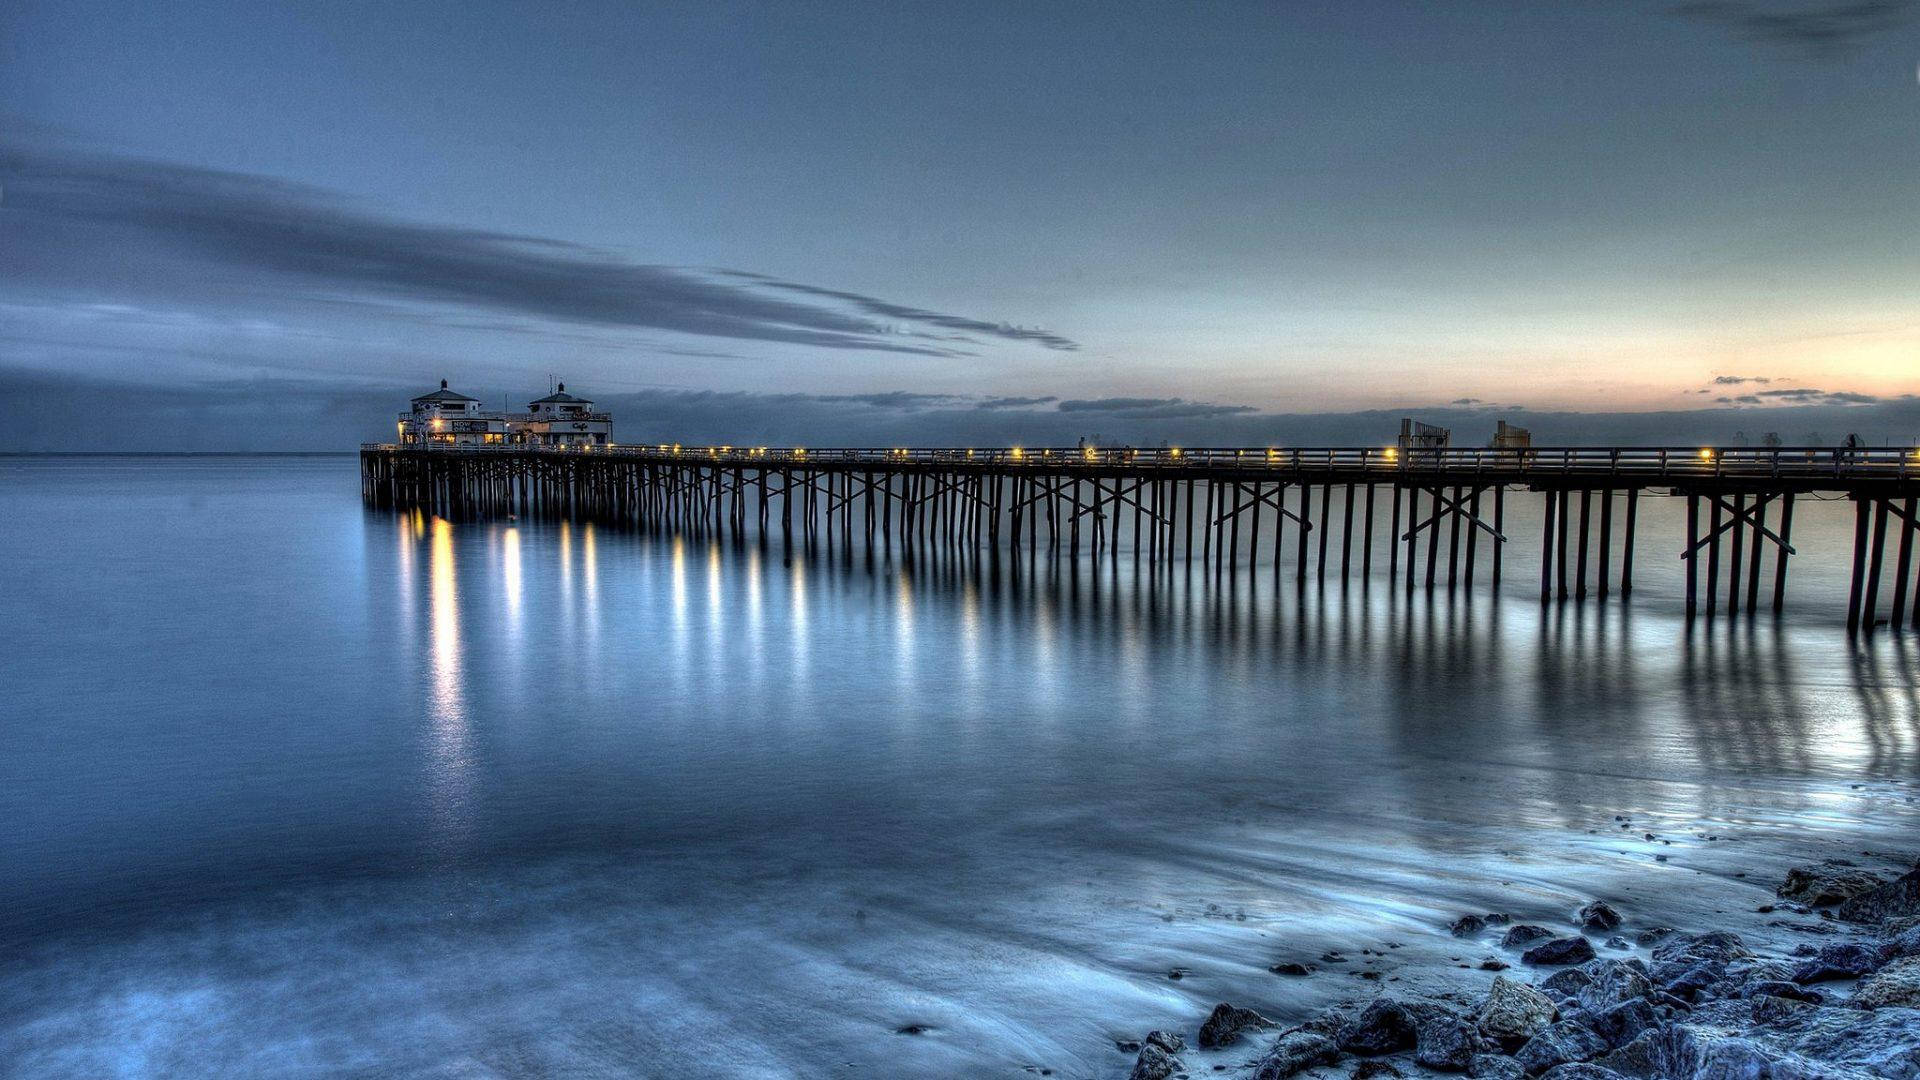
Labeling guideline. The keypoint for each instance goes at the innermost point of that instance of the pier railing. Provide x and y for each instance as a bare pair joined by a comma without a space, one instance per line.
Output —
1655,462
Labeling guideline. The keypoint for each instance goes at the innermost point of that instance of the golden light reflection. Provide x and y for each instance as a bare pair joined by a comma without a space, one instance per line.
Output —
510,572
449,738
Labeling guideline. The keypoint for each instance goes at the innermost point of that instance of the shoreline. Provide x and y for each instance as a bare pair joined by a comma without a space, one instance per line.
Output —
1824,982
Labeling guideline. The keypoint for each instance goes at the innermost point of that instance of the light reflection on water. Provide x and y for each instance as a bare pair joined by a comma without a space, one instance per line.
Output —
392,793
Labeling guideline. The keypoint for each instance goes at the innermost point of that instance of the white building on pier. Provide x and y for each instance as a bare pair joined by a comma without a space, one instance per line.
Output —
446,417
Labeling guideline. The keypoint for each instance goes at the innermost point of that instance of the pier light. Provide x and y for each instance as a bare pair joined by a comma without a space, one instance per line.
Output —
1018,453
438,423
1270,453
1176,451
799,451
676,448
1706,453
1393,453
969,451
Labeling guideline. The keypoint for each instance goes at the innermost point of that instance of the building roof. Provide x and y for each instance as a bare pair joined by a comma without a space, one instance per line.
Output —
444,394
561,397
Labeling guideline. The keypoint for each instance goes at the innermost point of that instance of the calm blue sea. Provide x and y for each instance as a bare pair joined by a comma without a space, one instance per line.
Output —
295,788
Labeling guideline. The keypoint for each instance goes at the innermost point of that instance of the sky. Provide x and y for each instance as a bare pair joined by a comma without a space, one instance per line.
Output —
249,226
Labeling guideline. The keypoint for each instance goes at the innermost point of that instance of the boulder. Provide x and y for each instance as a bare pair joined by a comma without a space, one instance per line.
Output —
1384,1027
1293,970
1688,985
1368,1070
1495,1067
1155,1063
1896,985
1745,1059
1896,899
1170,1041
1598,915
1720,947
1468,925
1568,982
1445,1044
1618,1025
1517,936
1657,1054
1559,951
1780,988
1885,1042
1514,1012
1611,982
1558,1044
1580,1071
1840,960
1226,1022
1294,1053
1832,882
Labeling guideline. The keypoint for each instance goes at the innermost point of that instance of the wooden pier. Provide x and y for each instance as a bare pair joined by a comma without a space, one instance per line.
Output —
1166,506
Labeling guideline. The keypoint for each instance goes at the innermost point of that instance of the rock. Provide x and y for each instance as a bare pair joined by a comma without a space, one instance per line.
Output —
1296,1052
1517,936
1654,935
1656,1054
1558,1044
1580,1071
1687,985
1226,1022
1494,963
1598,915
1170,1041
1618,942
1468,925
1884,1043
1904,943
1832,882
1745,1059
1514,1012
1840,960
1771,1009
1722,947
1294,970
1367,1070
1896,899
1496,1067
1445,1044
1385,1026
1611,982
1897,985
1155,1063
1618,1025
1567,983
1567,950
1780,988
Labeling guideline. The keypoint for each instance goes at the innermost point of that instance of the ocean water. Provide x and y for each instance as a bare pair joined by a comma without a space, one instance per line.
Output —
295,788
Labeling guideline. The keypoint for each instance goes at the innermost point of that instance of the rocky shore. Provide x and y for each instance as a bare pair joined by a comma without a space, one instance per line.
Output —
1592,996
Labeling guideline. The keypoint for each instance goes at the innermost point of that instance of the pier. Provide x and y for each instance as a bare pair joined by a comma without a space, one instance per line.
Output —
1437,517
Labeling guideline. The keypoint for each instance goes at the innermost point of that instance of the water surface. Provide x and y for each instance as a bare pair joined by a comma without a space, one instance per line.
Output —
296,788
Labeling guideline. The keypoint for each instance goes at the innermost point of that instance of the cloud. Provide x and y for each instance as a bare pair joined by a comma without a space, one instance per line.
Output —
1809,395
1466,401
1736,380
895,311
1134,408
1814,30
258,224
1014,402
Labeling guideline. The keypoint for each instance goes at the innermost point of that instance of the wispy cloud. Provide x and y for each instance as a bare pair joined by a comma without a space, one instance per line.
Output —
1737,380
1816,30
1137,408
302,233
